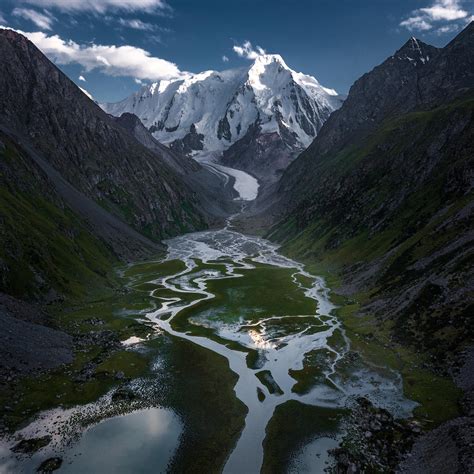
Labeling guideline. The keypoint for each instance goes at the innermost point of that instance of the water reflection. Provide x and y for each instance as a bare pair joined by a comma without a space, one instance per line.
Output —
142,442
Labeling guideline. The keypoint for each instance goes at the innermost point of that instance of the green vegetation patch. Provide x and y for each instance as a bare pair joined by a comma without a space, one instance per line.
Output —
293,426
262,292
437,395
315,365
44,247
266,377
201,391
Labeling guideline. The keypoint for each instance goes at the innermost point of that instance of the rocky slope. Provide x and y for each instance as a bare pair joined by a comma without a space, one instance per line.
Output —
416,77
46,249
384,199
392,196
180,163
86,146
214,199
251,114
28,323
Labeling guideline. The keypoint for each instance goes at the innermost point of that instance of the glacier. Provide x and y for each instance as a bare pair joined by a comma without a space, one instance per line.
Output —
215,109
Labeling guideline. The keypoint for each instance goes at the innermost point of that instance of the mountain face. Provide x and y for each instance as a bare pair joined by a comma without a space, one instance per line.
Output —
224,112
393,87
46,248
214,201
179,163
384,196
79,190
416,77
87,147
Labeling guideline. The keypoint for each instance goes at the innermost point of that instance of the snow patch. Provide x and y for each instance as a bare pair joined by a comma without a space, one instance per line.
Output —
245,184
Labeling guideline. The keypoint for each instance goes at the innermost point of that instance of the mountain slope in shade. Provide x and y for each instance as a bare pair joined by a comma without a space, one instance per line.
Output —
418,76
180,163
46,249
386,198
212,111
87,147
215,199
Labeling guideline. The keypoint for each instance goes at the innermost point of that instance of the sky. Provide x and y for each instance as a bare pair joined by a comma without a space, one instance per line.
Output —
111,47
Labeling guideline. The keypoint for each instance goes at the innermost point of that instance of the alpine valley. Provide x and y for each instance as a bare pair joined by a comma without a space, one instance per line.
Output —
239,271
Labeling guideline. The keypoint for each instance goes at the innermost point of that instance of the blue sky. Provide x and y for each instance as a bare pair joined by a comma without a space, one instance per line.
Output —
115,44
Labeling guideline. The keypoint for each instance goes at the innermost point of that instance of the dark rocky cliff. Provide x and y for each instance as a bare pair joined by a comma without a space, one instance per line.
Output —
87,147
385,192
383,203
417,77
78,191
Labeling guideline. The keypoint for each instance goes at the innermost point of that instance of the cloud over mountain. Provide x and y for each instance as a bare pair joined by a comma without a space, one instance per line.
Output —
247,51
112,60
100,6
443,15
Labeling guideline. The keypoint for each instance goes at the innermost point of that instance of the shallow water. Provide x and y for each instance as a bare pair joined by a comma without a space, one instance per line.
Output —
266,315
274,324
141,442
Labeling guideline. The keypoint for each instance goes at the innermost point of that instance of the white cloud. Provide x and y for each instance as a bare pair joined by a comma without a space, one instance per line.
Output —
41,20
246,50
136,24
100,6
416,23
88,94
110,59
225,59
138,81
82,78
445,10
2,19
439,11
447,29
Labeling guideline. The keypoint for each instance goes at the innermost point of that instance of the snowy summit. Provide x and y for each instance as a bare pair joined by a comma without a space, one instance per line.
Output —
211,111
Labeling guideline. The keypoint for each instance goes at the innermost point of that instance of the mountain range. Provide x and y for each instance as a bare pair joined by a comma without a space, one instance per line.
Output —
257,118
375,192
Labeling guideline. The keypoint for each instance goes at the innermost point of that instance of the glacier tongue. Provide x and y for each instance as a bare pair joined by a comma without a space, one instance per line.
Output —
219,107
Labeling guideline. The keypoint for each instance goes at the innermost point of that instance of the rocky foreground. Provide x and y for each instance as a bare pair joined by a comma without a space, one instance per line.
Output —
376,442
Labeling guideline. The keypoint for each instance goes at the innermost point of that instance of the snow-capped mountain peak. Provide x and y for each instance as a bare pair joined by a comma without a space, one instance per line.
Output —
211,111
416,52
268,71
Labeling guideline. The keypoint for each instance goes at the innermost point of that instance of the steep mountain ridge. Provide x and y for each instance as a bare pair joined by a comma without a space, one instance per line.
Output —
212,111
86,146
388,205
417,76
79,191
